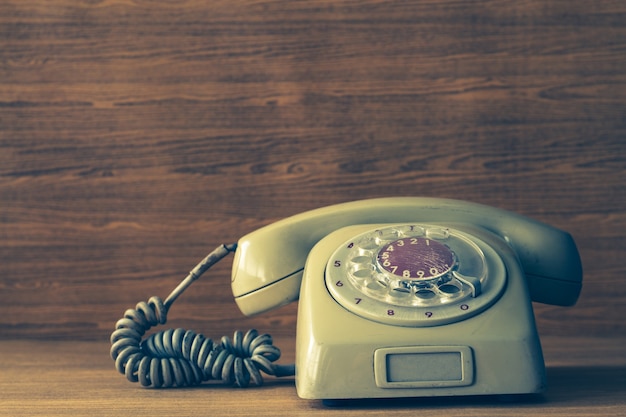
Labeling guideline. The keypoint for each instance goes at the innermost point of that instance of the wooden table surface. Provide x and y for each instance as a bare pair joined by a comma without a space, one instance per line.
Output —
586,377
136,135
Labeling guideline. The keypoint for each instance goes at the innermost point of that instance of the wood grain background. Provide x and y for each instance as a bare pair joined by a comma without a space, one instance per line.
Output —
137,135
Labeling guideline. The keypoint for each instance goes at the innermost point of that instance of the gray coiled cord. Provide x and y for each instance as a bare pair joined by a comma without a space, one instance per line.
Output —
183,358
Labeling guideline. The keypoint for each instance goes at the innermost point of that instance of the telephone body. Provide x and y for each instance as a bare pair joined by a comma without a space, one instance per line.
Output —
410,296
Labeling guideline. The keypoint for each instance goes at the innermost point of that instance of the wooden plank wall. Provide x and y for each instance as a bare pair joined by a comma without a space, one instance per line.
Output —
137,135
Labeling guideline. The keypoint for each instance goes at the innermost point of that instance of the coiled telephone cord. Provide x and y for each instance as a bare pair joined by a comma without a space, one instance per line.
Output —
184,358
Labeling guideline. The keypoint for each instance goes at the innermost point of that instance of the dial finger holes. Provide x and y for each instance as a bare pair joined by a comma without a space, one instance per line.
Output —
425,294
361,268
362,273
400,290
386,235
375,284
369,242
361,260
450,289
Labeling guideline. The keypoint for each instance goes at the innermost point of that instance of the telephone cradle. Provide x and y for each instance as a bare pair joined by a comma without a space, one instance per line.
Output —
398,297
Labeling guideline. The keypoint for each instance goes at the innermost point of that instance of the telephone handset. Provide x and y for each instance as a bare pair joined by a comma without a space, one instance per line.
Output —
269,262
399,297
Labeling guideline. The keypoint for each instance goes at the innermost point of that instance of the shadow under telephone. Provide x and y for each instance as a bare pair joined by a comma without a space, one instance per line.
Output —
398,297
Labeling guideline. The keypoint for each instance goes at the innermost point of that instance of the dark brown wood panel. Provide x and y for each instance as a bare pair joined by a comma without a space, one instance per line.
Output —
135,136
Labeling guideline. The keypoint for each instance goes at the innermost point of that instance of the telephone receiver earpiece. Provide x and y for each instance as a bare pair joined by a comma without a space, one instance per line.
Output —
269,262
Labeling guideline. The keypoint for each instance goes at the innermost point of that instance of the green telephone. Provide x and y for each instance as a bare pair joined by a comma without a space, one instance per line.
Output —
398,297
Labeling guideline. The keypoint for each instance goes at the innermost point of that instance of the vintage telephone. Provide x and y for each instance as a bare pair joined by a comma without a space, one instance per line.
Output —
398,297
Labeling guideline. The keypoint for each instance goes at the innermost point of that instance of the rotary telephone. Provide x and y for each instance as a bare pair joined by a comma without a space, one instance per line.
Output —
398,297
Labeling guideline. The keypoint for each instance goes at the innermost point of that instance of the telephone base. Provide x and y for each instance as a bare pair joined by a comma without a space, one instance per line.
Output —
341,374
341,355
